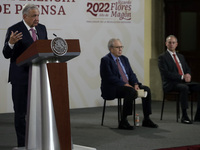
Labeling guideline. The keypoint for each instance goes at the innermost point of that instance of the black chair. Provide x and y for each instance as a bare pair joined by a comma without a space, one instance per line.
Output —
119,108
176,95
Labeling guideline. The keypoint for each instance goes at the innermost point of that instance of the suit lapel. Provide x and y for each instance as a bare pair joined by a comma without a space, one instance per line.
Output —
124,64
26,33
181,61
38,32
113,61
122,60
114,64
180,58
172,63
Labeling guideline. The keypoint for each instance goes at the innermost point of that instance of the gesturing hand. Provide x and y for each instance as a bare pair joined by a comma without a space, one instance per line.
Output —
15,37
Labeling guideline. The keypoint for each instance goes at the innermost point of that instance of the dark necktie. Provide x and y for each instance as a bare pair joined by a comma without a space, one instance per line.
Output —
178,66
124,78
33,34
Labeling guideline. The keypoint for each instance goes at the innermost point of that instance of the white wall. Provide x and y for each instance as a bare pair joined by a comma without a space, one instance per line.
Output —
70,19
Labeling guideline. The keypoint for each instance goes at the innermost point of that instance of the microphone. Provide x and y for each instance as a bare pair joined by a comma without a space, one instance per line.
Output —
54,34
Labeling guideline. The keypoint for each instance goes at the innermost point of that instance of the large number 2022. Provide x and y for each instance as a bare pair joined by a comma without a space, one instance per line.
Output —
97,7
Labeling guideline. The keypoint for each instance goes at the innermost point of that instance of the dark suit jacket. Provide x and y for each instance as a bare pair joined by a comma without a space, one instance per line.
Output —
110,76
169,71
19,75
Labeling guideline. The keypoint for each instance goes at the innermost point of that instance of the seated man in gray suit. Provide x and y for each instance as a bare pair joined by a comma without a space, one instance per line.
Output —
176,76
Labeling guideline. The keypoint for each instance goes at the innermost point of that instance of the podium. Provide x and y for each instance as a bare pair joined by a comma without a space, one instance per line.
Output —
48,116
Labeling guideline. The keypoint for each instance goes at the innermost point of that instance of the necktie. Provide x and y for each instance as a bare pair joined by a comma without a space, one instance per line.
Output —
178,66
33,34
124,78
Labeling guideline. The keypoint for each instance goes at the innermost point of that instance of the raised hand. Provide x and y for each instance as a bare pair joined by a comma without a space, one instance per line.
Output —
15,37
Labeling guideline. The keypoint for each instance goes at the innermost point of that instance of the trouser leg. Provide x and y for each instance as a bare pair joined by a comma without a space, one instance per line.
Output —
195,87
184,90
19,96
146,102
129,94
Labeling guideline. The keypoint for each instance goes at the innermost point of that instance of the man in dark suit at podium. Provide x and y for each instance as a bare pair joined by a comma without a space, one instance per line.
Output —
18,38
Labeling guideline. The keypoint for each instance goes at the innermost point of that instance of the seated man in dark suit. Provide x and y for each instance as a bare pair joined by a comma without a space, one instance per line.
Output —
177,76
119,80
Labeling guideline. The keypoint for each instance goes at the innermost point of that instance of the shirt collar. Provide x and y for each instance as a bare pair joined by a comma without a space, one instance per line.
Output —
27,26
171,53
114,57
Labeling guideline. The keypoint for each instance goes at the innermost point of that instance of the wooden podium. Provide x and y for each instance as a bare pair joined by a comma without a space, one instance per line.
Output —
48,116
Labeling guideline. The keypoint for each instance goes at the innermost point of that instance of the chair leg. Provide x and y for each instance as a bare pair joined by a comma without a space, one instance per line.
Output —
119,110
191,102
177,108
163,103
104,107
134,112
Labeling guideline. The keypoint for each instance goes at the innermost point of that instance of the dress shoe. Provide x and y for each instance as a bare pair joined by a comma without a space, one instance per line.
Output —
125,125
149,123
186,120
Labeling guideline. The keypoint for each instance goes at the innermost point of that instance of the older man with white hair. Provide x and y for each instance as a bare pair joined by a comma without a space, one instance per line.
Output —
18,38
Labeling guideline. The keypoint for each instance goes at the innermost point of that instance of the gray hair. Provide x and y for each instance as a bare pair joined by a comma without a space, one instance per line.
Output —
111,42
27,8
170,36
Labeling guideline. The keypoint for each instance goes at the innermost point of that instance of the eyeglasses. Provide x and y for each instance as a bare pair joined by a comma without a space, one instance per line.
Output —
118,47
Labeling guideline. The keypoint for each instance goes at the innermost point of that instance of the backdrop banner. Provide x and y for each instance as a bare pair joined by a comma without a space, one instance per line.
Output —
94,23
